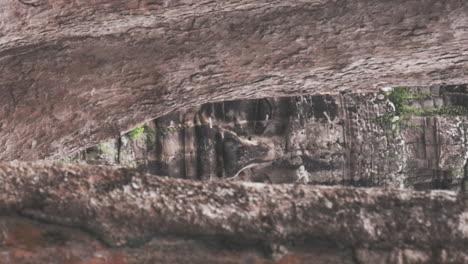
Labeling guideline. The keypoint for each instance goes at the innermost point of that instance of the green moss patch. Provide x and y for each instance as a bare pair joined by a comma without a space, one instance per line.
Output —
137,133
401,97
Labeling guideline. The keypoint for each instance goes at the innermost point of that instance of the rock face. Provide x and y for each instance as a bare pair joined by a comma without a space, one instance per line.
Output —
75,73
125,208
326,139
103,67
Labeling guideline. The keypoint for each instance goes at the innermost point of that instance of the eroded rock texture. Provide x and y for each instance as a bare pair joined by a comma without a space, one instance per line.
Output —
73,73
124,208
325,139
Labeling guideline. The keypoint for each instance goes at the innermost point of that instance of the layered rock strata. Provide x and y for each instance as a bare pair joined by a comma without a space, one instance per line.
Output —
346,139
125,208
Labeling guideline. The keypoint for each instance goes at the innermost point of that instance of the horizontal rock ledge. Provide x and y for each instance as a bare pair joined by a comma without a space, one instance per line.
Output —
123,207
73,73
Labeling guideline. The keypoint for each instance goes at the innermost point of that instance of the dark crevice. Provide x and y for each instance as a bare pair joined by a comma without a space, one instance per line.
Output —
119,149
464,182
33,3
355,257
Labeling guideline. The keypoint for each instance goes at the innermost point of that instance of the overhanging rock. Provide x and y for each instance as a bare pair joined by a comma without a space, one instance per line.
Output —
73,73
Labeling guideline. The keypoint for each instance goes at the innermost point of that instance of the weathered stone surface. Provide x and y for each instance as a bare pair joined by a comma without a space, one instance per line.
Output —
26,241
73,73
330,140
123,207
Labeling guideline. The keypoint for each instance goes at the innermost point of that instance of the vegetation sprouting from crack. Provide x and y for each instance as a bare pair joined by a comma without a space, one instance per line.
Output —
137,133
401,98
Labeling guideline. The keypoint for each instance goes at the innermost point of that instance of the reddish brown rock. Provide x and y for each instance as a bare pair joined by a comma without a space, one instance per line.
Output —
74,73
25,241
124,208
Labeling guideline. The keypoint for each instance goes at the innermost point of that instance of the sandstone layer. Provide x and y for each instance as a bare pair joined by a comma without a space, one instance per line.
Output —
125,208
73,73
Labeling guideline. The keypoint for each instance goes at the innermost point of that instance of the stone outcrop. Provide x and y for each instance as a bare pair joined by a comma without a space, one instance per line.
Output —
324,139
74,73
125,208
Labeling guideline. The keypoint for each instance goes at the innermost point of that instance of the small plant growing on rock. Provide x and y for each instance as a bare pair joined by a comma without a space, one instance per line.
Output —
401,117
137,133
